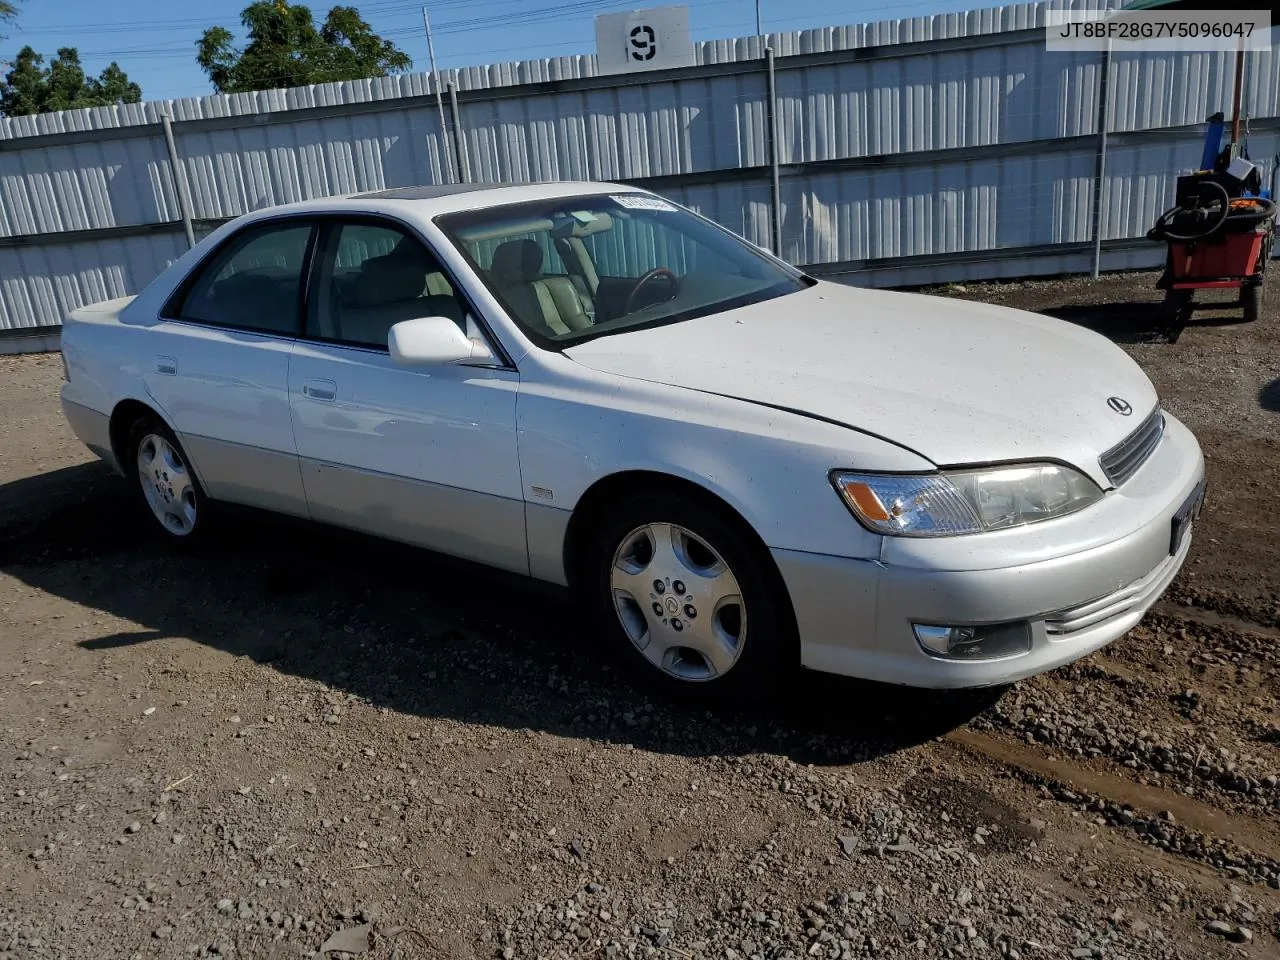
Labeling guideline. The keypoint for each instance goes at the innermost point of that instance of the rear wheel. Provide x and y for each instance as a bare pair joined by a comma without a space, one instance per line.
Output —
165,483
689,599
1251,301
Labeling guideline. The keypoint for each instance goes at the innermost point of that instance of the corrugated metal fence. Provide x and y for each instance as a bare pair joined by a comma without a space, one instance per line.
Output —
909,151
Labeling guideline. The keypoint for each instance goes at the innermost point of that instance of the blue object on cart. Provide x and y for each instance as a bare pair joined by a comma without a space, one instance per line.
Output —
1212,143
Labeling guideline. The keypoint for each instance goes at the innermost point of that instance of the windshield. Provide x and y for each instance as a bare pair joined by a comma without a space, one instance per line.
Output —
575,268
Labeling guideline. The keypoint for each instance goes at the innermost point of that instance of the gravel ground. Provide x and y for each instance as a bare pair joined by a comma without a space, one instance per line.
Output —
300,735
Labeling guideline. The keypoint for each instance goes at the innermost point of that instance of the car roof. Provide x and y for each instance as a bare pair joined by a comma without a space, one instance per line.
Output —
431,191
434,199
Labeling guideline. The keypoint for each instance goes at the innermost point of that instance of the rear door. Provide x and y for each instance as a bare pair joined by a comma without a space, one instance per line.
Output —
220,364
425,455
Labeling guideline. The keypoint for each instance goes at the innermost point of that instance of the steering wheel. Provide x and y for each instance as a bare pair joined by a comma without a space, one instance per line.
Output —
649,277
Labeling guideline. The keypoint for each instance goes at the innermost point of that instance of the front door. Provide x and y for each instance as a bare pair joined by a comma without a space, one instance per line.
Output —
423,455
219,369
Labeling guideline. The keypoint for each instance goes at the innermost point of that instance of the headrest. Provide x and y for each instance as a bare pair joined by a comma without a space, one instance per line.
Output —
390,279
516,261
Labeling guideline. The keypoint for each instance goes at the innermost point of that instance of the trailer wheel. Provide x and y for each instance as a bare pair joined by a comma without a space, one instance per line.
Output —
1251,300
1177,311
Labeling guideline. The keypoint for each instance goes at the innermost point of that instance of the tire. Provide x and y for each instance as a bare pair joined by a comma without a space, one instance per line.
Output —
1251,300
169,493
1177,304
702,557
1177,312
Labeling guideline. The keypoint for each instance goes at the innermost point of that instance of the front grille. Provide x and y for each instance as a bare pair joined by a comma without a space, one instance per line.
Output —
1123,460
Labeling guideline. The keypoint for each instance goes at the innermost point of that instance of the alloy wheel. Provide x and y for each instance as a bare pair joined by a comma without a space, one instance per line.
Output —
167,485
678,602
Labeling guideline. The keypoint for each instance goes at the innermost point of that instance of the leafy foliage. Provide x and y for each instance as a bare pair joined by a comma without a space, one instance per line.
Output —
8,11
286,49
30,87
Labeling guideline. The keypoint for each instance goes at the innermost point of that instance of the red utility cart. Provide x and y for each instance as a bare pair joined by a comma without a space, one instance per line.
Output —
1215,240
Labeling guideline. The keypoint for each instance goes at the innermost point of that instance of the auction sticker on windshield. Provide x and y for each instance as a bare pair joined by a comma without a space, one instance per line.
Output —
638,201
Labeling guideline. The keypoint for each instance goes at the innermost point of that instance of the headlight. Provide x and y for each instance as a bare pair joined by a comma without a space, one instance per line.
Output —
964,501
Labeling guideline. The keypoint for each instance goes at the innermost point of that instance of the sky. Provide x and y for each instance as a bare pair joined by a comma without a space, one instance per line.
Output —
154,40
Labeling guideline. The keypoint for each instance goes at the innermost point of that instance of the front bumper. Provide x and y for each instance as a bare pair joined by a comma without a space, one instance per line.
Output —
855,616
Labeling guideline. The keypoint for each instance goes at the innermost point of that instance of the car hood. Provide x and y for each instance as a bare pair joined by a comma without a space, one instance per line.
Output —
955,381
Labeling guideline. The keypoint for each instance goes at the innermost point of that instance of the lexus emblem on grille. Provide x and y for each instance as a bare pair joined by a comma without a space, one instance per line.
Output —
1120,405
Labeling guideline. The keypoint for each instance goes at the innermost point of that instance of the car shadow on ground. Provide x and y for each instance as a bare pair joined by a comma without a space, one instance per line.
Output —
1269,396
415,632
1133,321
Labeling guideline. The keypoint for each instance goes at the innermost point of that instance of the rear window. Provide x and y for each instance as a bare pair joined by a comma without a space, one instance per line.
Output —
253,283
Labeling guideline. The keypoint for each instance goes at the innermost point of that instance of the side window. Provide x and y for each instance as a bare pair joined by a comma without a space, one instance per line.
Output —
370,278
254,283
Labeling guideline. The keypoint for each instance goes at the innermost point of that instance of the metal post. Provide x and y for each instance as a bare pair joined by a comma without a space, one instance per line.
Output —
1100,163
459,143
179,174
446,159
772,119
1235,99
758,30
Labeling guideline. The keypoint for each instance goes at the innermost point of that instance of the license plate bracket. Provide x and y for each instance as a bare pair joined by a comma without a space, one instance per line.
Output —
1187,515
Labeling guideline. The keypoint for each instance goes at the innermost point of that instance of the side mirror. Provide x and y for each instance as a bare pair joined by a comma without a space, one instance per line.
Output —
433,340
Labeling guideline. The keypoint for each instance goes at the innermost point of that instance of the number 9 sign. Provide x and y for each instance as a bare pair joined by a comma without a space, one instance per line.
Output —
636,40
644,42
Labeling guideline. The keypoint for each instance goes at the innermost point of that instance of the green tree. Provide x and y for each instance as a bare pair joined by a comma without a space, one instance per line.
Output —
30,87
286,49
8,11
22,91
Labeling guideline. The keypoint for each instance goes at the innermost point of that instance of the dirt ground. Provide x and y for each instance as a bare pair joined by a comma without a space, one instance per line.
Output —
298,732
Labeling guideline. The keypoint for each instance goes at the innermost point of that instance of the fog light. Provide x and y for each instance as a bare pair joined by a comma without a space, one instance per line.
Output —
991,642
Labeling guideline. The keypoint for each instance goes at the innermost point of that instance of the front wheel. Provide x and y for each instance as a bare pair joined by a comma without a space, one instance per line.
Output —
164,481
1177,305
689,598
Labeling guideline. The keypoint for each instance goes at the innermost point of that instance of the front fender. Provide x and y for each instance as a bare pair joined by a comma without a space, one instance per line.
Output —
770,466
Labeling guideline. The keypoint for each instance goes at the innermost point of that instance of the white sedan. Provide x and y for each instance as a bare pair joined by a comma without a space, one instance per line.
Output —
740,468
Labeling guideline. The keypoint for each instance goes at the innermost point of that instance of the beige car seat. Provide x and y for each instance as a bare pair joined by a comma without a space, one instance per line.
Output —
392,288
550,305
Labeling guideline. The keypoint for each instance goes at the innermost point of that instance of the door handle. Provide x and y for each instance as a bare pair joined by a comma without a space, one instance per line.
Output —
167,365
320,389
